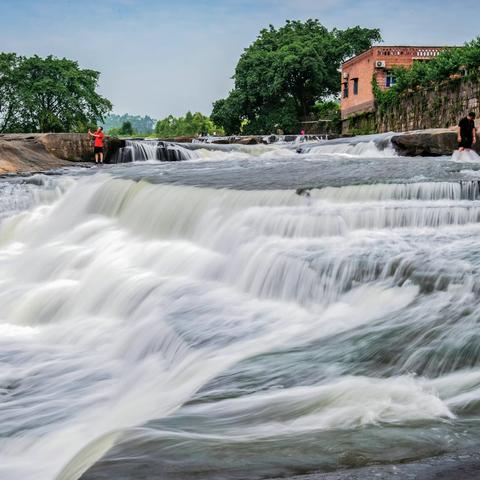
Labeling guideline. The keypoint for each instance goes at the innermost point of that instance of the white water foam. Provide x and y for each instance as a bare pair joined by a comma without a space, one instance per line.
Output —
362,149
466,156
91,291
122,299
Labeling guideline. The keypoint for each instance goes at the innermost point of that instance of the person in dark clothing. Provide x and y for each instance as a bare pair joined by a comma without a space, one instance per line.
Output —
466,132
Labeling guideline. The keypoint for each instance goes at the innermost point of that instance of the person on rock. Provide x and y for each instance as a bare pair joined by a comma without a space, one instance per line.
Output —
467,134
98,144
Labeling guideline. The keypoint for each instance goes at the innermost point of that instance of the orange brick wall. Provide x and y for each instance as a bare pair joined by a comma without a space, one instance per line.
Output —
363,68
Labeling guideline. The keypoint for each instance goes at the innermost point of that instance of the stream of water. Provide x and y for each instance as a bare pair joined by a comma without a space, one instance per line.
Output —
250,312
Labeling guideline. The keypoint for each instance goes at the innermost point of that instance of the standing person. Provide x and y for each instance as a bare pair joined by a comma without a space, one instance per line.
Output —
98,144
466,132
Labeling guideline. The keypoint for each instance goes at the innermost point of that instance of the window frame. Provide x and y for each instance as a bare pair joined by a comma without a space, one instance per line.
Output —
355,85
390,79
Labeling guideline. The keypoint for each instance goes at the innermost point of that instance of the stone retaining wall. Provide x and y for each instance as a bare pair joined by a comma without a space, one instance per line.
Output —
438,107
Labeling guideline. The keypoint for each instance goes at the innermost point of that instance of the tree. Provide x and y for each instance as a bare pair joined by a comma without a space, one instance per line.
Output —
9,98
48,95
330,111
285,71
228,112
190,125
59,96
126,128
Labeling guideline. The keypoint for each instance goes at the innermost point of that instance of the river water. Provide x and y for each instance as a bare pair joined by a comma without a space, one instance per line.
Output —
248,313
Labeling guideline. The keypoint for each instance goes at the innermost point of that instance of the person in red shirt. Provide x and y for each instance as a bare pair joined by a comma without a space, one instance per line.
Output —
98,144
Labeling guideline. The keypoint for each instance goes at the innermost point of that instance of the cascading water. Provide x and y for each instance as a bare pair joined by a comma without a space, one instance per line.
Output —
266,315
366,146
143,150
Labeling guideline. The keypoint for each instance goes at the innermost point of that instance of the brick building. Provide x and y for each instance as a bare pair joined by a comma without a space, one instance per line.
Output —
357,73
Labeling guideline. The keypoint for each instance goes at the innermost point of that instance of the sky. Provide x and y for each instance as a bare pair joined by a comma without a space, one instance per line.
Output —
161,57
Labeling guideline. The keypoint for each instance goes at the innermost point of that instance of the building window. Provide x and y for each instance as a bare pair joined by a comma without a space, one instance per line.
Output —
345,90
390,79
355,86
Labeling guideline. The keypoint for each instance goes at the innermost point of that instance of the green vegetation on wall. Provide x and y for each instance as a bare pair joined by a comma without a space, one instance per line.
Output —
450,65
48,95
283,74
361,124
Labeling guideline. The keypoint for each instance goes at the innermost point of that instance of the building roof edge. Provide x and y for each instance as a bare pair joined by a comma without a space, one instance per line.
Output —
360,55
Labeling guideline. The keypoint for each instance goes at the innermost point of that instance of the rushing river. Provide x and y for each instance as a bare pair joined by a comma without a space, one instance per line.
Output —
248,313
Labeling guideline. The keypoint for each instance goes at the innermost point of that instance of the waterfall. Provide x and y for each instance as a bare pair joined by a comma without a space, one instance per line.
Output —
463,190
143,150
156,150
372,146
201,320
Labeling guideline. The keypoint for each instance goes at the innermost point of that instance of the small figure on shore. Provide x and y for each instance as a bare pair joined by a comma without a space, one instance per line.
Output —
467,134
98,144
302,132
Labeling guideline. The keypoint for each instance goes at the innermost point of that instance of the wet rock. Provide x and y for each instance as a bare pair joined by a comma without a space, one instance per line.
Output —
222,141
112,146
76,147
426,143
455,466
67,146
248,141
182,139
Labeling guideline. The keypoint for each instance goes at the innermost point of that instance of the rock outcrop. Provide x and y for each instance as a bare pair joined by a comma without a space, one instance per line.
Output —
67,146
44,151
427,143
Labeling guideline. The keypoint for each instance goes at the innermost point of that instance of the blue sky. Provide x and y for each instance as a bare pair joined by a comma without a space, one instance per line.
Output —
161,57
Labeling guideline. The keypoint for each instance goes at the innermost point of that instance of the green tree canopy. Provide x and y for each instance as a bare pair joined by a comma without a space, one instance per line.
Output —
48,95
285,71
9,95
189,125
126,128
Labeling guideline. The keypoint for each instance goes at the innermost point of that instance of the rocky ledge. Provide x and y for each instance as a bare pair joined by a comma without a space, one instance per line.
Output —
427,143
44,151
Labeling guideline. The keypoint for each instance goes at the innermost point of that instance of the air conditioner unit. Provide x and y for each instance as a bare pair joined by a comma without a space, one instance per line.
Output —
380,64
